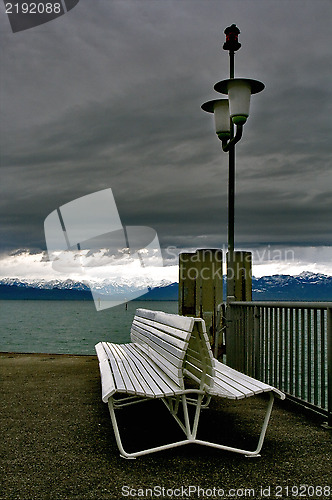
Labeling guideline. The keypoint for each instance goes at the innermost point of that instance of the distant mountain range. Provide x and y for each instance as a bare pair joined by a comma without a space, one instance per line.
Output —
304,287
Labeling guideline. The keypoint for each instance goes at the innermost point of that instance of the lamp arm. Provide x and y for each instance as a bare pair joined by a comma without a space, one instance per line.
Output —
227,145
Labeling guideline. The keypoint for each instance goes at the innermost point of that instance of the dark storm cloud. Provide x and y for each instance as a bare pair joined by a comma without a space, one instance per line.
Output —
109,96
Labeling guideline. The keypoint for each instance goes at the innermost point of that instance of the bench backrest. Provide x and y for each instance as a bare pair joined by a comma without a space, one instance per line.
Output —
199,362
177,344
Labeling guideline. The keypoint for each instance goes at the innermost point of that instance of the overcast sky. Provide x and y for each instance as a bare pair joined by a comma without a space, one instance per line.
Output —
109,96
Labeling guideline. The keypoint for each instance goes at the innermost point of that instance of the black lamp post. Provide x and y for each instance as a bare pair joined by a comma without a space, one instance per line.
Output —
228,114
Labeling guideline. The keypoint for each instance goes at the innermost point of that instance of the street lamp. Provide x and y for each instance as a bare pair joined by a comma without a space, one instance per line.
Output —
229,114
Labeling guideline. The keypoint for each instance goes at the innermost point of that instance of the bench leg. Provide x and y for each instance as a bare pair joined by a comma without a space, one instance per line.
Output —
185,426
190,431
264,427
123,453
247,453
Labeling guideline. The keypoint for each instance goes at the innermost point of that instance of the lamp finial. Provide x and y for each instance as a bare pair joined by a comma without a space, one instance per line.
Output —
232,43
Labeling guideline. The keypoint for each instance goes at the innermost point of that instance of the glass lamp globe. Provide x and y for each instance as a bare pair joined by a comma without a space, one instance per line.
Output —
220,109
239,92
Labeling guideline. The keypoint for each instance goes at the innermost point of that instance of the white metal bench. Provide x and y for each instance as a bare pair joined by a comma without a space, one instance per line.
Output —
170,357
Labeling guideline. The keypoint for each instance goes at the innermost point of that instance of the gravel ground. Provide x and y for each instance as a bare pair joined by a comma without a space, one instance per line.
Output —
57,442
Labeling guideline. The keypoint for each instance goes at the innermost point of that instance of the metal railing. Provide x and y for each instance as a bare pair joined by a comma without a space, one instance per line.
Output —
285,344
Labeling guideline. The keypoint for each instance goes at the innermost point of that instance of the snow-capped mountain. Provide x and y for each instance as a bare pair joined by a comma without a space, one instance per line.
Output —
305,286
12,288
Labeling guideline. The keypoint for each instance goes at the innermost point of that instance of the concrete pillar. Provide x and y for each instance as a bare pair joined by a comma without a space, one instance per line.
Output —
239,274
200,287
187,284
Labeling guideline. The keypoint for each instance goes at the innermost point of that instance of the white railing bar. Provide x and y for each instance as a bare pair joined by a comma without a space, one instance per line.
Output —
301,305
329,361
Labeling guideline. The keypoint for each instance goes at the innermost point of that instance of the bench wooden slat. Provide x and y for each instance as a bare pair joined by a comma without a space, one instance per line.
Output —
107,380
150,336
167,356
197,363
127,380
170,334
119,382
151,388
240,384
179,322
224,390
165,385
194,370
174,334
174,372
234,387
199,336
231,373
102,355
200,361
153,382
245,384
122,367
133,385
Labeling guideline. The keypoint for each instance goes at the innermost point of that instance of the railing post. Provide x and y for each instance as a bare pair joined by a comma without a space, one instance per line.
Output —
257,370
230,338
329,365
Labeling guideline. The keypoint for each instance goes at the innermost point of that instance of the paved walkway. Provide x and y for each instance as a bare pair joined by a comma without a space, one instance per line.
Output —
57,443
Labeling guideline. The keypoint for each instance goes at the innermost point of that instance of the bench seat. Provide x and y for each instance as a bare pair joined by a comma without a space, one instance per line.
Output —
128,370
231,384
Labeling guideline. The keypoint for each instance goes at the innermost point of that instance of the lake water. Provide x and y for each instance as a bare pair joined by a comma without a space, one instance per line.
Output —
67,327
